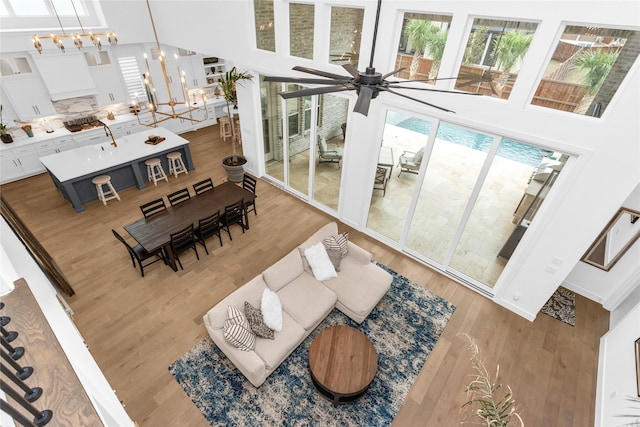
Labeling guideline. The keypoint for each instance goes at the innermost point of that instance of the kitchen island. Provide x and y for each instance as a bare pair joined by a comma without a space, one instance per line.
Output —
73,170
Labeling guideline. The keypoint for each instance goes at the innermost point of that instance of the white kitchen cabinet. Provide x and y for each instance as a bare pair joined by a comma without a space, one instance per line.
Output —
13,65
20,162
109,85
193,70
161,92
213,69
91,137
29,97
126,128
55,145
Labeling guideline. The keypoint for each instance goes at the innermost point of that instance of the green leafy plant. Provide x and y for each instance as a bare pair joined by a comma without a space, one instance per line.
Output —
598,63
475,47
486,405
3,127
425,36
228,84
510,48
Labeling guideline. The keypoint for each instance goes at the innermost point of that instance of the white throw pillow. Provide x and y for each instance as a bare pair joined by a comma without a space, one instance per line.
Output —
320,263
271,310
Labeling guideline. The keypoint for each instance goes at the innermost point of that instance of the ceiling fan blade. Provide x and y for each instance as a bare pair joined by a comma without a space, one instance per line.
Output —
426,80
301,80
321,73
351,70
392,73
393,86
315,91
415,99
364,99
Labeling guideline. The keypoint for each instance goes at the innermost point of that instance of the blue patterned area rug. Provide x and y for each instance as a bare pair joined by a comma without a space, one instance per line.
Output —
404,328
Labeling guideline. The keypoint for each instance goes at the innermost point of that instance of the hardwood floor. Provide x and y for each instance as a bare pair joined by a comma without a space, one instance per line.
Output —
135,327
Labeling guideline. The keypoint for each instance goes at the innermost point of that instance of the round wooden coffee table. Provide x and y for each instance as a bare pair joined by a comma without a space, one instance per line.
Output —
342,362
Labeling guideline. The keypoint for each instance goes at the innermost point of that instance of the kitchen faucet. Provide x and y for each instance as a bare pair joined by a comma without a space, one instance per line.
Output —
108,132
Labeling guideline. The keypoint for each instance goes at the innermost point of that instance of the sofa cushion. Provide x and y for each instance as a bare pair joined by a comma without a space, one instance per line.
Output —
251,292
237,331
307,301
271,310
359,287
283,271
273,352
335,256
319,262
337,242
256,322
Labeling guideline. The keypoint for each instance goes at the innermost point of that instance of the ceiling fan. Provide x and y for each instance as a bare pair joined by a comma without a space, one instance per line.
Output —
367,84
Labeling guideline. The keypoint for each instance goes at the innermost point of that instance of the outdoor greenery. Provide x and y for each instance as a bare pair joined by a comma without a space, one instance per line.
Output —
597,63
510,48
425,36
475,46
485,405
3,127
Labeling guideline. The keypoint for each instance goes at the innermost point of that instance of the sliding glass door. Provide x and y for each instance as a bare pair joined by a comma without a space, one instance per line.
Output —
293,130
464,202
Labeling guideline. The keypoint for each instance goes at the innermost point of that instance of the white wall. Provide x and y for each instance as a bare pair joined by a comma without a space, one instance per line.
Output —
588,192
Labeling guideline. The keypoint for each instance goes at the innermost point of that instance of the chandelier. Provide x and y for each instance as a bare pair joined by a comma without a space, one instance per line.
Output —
76,37
159,114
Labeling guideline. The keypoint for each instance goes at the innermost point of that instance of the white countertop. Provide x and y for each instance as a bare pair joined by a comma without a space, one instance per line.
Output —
82,161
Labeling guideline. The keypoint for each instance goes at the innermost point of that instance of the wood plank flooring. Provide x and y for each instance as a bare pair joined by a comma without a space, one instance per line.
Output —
135,327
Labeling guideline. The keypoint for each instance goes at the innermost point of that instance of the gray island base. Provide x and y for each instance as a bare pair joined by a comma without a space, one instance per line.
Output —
73,170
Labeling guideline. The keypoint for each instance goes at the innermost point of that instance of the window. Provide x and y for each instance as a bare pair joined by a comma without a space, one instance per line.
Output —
265,31
346,31
132,78
586,68
493,56
421,47
301,24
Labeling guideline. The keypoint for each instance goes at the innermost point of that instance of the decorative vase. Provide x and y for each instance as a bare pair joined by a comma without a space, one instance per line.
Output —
29,133
7,138
234,167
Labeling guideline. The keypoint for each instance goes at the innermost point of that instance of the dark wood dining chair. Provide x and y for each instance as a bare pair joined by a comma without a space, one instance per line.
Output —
153,207
249,183
202,186
208,227
178,196
183,240
233,214
139,254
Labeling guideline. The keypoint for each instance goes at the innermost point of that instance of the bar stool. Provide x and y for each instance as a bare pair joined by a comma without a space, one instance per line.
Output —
110,194
155,171
176,165
225,127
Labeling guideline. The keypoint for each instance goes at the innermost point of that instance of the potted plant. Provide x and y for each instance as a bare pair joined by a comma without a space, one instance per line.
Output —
234,165
228,84
4,135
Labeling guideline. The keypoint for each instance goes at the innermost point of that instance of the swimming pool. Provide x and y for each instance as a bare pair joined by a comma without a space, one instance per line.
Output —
509,149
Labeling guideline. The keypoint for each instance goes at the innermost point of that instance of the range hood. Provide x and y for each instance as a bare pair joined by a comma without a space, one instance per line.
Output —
66,75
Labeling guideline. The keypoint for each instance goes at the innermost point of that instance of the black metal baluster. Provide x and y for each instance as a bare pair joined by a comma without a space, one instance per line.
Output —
8,335
22,373
15,353
31,394
40,417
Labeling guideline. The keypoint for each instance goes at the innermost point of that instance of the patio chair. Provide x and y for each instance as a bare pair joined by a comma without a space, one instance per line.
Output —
382,176
328,156
410,161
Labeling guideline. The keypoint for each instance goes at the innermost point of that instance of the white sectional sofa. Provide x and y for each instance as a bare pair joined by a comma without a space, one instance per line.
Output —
357,289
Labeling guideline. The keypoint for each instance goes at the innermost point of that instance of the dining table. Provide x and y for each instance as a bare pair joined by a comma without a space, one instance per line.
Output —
155,231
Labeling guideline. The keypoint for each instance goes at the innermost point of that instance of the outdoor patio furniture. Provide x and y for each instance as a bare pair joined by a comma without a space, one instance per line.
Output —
410,161
328,156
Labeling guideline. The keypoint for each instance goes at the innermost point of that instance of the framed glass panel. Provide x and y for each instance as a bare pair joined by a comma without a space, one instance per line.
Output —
422,42
271,104
346,32
265,29
298,143
493,56
301,26
332,114
403,135
587,66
